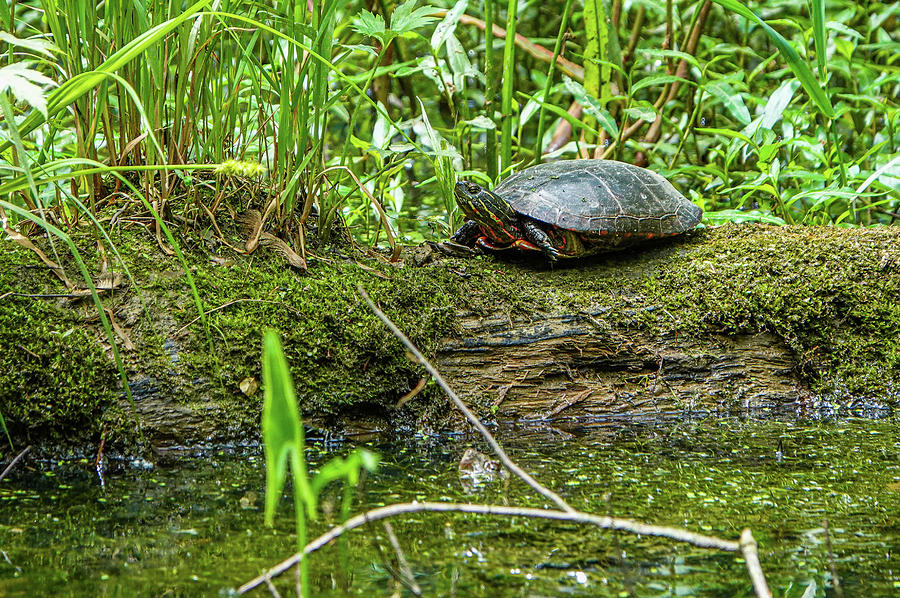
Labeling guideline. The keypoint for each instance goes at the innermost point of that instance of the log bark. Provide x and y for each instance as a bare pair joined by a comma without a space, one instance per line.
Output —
568,367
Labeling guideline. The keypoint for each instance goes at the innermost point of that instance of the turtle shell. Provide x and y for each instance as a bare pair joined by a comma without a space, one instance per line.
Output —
600,198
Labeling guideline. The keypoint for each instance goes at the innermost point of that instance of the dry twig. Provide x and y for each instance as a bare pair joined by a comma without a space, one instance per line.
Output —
751,559
14,461
495,446
604,522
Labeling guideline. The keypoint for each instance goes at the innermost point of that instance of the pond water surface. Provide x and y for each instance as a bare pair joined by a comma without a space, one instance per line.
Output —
196,528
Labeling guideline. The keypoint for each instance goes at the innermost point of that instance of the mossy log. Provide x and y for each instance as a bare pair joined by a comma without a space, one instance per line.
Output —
573,367
727,320
735,320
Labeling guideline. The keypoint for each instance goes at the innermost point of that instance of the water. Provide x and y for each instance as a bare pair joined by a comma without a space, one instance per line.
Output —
196,529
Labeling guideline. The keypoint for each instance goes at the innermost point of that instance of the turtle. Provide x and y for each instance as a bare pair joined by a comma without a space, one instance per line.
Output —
573,208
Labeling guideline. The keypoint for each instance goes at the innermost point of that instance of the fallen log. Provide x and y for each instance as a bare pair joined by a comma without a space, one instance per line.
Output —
736,320
567,367
729,320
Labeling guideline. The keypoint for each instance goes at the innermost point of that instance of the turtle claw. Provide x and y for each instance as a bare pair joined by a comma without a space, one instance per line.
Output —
452,248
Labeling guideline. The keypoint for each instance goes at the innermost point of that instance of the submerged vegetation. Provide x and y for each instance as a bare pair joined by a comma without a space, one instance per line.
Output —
197,527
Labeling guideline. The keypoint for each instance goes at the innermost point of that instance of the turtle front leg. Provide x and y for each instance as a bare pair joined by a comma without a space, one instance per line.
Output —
539,237
467,234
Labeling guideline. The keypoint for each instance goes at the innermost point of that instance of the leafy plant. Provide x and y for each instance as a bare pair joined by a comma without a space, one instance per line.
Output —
285,445
351,108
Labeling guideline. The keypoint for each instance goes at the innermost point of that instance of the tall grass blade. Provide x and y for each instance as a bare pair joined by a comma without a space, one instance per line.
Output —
817,11
557,48
62,97
284,443
791,57
490,90
509,84
282,430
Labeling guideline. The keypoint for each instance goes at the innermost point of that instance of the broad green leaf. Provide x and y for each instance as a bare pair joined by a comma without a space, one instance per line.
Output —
383,131
844,47
41,46
790,55
440,148
767,151
732,100
726,133
410,69
775,170
671,54
447,25
459,63
872,150
369,24
614,67
482,122
347,469
841,28
532,107
592,106
657,80
887,174
359,143
368,50
778,101
407,18
877,19
24,83
642,111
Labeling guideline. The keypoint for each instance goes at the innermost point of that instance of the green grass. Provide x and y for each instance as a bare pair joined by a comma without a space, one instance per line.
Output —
735,104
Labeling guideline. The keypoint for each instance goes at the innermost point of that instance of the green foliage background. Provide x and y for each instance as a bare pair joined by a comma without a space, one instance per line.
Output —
782,112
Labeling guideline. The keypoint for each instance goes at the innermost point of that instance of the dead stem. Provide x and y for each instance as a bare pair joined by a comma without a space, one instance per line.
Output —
495,446
751,559
14,461
604,522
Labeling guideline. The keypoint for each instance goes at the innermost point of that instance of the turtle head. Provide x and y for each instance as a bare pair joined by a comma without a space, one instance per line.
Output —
493,214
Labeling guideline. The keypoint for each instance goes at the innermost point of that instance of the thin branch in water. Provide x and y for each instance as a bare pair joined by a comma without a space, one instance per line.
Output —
604,522
408,579
495,446
751,559
835,580
14,461
272,589
6,558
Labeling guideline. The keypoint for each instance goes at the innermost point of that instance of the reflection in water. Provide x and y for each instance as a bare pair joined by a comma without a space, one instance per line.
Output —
196,528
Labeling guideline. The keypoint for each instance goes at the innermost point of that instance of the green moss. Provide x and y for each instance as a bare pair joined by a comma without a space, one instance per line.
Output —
55,376
339,353
831,294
